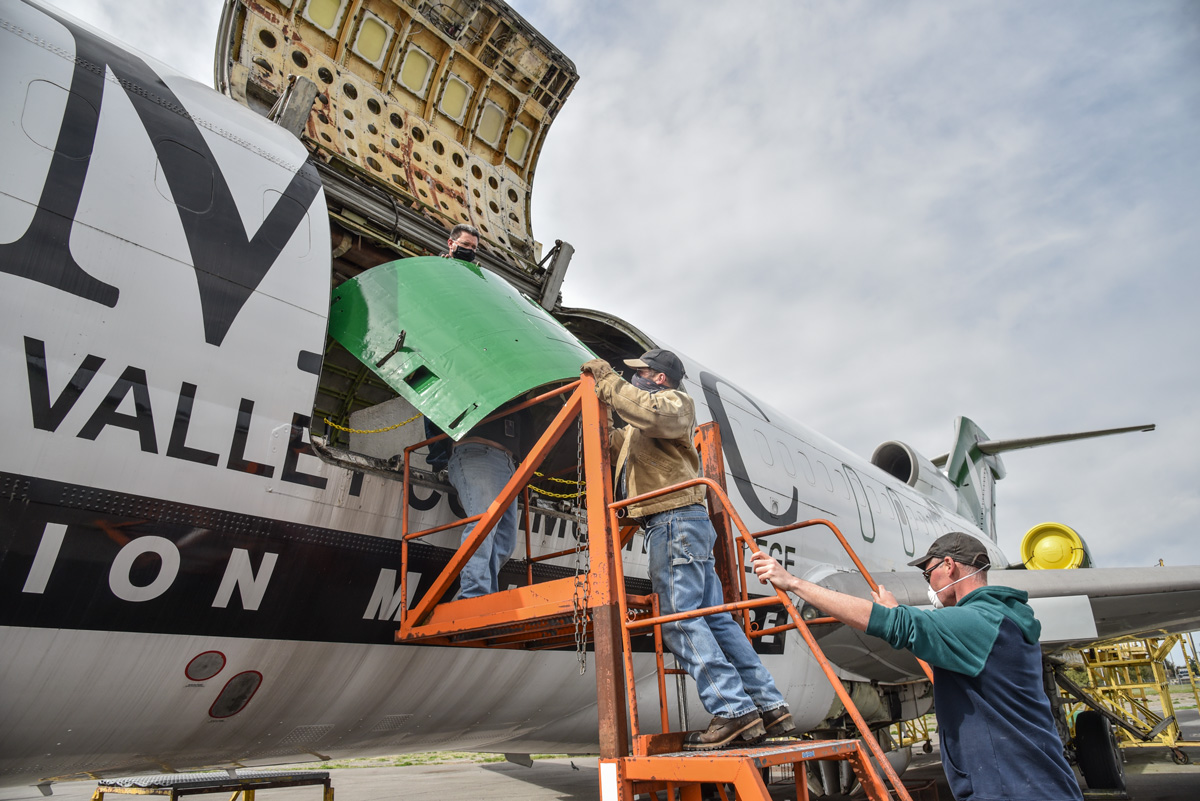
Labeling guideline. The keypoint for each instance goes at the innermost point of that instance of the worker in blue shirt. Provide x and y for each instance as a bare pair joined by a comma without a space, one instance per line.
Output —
997,734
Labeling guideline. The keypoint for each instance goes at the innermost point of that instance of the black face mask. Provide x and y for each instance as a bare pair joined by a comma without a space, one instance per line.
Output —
644,383
463,254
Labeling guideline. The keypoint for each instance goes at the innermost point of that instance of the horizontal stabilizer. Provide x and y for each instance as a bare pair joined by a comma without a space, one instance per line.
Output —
995,446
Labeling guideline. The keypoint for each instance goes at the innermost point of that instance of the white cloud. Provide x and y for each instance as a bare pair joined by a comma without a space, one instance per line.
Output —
880,216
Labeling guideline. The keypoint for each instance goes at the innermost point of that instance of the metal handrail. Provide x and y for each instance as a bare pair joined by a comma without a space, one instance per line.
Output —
748,539
609,582
781,597
566,415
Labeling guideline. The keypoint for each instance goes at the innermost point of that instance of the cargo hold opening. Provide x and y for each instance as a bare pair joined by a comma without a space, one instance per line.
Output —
352,399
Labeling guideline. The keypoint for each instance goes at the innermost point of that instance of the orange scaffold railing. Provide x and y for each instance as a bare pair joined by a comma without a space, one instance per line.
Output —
548,614
645,745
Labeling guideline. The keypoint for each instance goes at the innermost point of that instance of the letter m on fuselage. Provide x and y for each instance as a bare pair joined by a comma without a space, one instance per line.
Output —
385,601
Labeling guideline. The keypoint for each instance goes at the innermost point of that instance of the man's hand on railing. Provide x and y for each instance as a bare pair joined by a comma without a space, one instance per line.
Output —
769,570
884,598
851,610
597,367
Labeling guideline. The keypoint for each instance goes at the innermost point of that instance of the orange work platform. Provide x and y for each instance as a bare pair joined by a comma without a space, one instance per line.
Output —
594,607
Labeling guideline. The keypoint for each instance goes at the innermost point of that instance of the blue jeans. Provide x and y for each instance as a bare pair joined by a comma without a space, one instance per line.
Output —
714,649
478,472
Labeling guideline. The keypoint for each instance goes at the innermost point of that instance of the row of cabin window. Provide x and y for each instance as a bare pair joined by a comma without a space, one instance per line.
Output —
922,521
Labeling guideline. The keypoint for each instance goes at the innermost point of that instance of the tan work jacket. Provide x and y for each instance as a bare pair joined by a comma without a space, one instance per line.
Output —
656,447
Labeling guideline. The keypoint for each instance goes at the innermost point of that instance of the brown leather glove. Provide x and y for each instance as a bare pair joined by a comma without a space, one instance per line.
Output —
597,367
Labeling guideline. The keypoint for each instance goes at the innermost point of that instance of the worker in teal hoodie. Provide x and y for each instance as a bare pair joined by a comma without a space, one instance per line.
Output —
996,731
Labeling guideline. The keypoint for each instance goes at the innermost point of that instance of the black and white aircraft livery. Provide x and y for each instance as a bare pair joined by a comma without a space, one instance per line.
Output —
196,569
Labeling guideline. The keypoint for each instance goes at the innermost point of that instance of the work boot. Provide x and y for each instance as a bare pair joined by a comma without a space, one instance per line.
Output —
746,729
778,722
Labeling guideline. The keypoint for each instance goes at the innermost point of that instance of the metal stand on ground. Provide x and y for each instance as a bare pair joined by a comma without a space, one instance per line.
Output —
545,614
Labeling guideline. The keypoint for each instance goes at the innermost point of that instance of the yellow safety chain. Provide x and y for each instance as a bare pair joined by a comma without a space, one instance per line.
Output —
548,494
372,430
558,480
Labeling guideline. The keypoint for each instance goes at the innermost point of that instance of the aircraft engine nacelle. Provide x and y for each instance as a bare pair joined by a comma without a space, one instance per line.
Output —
1053,546
900,460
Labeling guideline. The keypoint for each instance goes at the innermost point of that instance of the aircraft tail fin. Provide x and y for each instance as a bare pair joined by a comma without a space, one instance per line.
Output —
974,474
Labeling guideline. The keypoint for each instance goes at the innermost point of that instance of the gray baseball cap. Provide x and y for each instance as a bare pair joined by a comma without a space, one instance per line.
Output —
960,547
664,361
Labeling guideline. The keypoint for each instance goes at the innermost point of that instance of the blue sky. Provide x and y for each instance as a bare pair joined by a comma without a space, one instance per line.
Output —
878,217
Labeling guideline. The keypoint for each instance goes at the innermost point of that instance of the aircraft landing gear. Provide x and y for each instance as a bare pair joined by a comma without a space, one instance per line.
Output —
1097,751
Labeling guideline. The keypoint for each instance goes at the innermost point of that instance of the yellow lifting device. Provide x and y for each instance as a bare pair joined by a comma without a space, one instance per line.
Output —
1128,684
595,607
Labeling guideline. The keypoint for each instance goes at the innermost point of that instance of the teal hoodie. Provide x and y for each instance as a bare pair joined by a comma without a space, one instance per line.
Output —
997,734
960,637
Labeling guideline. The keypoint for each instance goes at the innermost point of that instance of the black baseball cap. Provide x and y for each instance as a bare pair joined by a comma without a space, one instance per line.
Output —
958,546
662,361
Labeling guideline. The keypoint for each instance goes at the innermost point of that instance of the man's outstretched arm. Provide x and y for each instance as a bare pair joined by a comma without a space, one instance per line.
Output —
851,610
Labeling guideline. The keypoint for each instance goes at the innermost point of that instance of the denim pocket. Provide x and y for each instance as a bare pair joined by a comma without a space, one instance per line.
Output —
688,541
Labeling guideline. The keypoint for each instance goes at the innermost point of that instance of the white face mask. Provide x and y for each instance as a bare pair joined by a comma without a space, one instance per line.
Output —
933,594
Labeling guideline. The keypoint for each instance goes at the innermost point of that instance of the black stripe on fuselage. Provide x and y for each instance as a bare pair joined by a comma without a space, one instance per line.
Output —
320,585
78,557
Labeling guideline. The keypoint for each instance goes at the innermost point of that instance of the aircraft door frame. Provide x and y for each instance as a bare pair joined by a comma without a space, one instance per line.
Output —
906,535
861,500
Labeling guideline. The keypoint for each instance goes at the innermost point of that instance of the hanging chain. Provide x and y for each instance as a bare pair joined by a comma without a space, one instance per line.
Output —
372,430
582,562
560,495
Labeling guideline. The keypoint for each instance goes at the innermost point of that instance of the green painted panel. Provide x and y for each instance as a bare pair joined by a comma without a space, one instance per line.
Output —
472,342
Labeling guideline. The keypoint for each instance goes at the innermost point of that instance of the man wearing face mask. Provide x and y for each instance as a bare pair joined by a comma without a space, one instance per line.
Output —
997,734
480,464
653,451
463,243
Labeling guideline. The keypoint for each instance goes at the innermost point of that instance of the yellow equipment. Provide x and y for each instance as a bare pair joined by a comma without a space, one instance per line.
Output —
1128,684
1053,546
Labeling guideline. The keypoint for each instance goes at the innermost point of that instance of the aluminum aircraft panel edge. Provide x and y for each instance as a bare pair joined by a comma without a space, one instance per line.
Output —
185,584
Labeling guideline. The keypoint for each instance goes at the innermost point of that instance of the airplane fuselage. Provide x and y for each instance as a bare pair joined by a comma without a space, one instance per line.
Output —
183,582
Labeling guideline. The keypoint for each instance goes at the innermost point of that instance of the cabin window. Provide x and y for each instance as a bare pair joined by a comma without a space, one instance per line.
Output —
866,519
374,37
518,143
491,123
415,71
764,448
841,481
325,14
916,520
872,497
455,96
789,466
806,466
825,474
195,192
41,119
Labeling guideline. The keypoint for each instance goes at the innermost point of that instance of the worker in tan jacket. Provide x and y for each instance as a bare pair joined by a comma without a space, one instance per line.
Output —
653,451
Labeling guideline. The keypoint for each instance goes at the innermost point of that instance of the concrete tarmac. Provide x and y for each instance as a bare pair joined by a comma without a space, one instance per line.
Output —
1151,775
